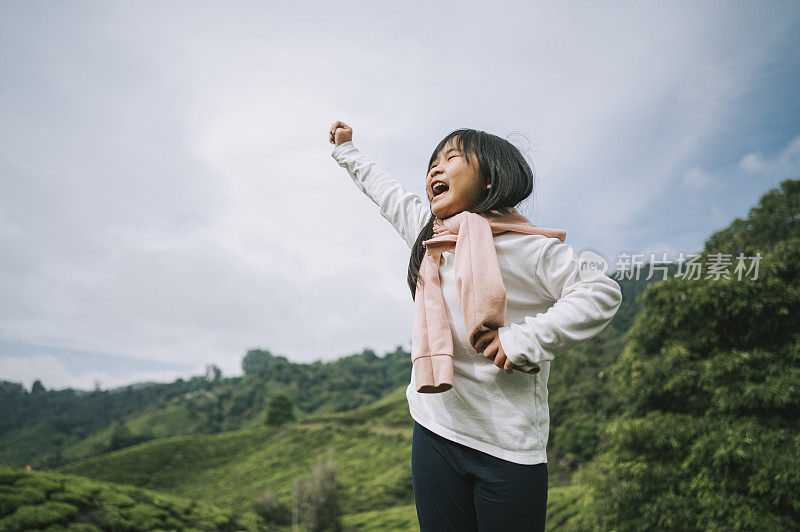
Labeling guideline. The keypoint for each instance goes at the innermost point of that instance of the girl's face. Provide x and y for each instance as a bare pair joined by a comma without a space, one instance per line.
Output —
461,185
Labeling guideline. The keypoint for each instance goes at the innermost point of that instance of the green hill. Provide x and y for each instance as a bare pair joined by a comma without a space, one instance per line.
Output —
372,446
56,427
49,428
705,434
34,500
682,414
231,469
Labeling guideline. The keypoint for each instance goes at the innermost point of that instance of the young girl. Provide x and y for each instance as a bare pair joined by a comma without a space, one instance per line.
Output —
485,281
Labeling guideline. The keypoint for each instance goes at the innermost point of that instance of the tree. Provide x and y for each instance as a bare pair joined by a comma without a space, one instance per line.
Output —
37,387
280,410
213,373
121,436
317,497
708,386
256,361
271,510
776,218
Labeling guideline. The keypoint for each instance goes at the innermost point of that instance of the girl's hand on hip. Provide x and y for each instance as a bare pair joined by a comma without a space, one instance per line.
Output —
489,343
340,133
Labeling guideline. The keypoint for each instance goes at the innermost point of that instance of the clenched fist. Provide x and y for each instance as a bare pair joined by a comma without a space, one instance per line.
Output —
340,133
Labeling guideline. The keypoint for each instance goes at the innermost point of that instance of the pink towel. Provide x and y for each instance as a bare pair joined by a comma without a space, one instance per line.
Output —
479,284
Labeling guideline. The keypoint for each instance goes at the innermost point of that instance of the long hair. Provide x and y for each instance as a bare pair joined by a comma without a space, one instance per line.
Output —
501,164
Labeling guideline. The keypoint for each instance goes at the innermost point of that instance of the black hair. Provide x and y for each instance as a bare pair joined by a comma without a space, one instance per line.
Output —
501,164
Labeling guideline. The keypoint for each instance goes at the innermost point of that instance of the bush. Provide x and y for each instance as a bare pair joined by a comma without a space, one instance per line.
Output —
707,438
318,496
271,510
281,410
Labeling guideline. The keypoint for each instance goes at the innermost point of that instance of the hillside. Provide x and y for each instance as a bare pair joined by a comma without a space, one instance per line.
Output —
371,445
705,432
48,428
33,500
51,428
231,469
685,408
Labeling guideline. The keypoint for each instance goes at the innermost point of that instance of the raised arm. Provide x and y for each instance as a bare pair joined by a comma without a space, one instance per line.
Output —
581,310
404,210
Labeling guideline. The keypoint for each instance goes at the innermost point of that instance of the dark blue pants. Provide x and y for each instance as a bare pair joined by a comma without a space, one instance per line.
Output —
457,488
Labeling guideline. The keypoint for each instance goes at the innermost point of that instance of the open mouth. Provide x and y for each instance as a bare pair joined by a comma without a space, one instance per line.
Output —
438,188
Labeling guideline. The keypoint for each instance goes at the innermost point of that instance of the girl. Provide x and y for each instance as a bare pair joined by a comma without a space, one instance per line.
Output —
485,281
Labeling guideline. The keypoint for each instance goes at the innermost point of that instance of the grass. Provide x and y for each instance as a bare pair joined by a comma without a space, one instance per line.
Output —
34,500
372,449
231,469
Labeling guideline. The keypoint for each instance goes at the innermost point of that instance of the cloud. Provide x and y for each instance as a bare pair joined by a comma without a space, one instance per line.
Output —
54,373
697,179
168,190
784,165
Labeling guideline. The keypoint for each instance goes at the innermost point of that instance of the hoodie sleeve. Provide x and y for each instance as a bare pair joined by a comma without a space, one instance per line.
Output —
581,310
403,209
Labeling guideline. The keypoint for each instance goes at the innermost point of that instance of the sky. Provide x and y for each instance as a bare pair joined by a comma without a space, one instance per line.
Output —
168,198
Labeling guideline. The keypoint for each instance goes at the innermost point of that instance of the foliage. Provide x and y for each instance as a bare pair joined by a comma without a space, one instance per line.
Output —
269,507
37,387
281,410
32,500
233,469
569,509
681,414
121,436
401,518
39,428
317,497
709,393
775,219
50,428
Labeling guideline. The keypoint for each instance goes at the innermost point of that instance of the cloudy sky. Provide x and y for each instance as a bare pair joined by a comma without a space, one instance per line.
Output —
168,199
